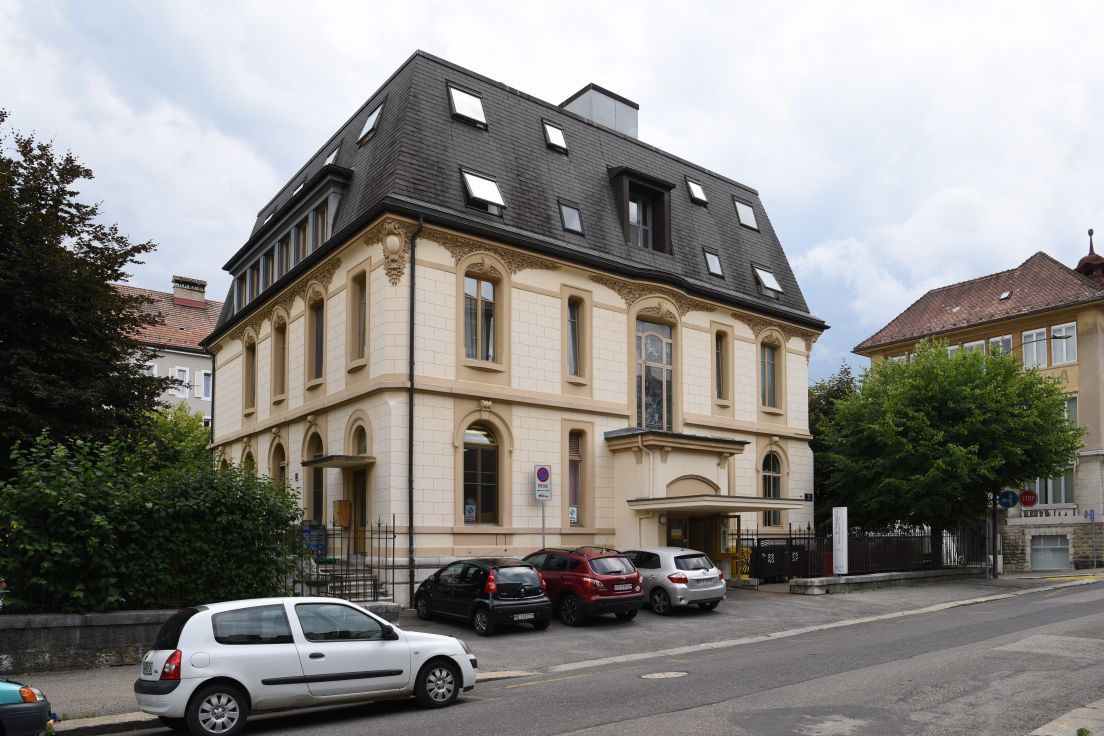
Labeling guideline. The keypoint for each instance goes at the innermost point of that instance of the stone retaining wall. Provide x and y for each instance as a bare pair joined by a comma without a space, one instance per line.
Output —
855,583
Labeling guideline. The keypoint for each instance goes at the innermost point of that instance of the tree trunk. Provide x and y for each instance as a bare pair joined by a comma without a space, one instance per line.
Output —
936,547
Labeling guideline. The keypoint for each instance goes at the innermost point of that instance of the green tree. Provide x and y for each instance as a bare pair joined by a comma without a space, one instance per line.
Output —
177,438
68,362
930,441
824,396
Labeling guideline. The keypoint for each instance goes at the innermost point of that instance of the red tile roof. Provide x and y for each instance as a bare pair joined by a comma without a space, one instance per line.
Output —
184,322
1038,284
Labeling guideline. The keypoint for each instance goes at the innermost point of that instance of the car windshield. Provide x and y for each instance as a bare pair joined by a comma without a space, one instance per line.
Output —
517,575
611,565
693,562
169,634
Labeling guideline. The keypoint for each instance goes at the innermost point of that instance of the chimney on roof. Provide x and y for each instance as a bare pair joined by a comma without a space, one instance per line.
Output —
604,107
1092,265
189,292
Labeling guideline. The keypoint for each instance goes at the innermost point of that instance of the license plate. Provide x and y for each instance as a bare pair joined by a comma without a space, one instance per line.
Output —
147,668
623,586
523,616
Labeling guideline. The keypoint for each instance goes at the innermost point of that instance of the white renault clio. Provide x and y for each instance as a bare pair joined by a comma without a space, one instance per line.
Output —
212,665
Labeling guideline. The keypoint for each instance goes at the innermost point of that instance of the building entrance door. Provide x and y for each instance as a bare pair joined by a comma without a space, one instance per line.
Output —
360,509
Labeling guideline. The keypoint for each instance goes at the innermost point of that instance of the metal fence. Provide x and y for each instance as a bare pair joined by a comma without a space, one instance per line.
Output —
343,562
806,555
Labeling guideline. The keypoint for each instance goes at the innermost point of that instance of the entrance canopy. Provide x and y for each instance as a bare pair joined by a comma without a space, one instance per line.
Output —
713,504
341,461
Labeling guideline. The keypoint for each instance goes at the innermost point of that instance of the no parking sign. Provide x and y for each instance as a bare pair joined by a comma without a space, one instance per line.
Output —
542,482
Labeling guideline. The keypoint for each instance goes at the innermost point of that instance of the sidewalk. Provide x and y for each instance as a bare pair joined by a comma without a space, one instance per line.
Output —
102,700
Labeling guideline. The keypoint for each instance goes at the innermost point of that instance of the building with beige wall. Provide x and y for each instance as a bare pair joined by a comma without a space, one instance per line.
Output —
465,282
1053,317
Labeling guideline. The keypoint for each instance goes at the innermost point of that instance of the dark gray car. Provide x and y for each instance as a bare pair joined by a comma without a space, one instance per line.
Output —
676,576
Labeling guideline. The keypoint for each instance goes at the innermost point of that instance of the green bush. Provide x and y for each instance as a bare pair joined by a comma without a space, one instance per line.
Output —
86,528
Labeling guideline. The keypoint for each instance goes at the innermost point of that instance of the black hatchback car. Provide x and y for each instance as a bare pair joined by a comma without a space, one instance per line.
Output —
487,592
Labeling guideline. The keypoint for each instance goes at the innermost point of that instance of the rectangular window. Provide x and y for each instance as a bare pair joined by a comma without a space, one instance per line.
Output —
254,279
301,241
203,386
975,346
1055,490
574,353
479,319
768,284
150,369
1002,345
360,316
321,232
181,389
333,156
1063,343
250,381
1071,408
318,328
1034,349
571,218
482,192
574,476
241,294
713,263
283,256
317,480
768,375
368,129
697,192
640,222
720,365
898,358
254,625
745,214
279,358
952,349
467,107
554,137
268,269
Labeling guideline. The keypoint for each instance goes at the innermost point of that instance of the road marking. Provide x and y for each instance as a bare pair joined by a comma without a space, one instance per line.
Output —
1058,646
662,675
545,681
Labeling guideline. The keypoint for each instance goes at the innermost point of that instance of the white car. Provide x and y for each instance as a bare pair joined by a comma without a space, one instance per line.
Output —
213,665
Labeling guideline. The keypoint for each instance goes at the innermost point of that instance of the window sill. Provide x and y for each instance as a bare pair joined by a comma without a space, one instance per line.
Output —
1063,365
772,410
249,412
279,398
483,365
311,385
356,365
722,403
577,380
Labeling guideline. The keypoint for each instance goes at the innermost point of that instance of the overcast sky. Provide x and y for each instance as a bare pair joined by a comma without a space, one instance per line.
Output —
896,146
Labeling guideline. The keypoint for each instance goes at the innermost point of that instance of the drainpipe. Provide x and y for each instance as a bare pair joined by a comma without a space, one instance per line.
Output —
410,418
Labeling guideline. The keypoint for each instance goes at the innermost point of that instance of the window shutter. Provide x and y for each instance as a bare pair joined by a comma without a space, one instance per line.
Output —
574,451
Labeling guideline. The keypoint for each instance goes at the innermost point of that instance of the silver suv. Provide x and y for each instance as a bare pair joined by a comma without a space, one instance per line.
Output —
676,576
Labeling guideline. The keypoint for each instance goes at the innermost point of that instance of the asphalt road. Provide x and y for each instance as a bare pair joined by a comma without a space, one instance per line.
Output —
1003,667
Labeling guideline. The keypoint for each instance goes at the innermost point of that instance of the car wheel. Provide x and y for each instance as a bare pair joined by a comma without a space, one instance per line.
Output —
708,606
438,684
217,710
541,625
482,622
571,611
174,724
661,602
421,607
626,615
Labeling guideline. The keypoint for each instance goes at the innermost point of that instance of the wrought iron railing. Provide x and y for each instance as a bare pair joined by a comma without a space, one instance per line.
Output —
357,564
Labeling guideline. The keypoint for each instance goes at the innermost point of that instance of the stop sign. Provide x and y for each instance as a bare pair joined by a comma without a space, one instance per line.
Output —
1029,498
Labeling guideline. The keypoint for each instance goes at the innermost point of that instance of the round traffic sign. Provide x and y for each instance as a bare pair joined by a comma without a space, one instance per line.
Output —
1007,499
543,474
1029,498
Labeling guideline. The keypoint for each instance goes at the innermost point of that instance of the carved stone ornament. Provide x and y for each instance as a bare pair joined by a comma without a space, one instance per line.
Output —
394,236
323,274
633,291
460,247
758,325
657,311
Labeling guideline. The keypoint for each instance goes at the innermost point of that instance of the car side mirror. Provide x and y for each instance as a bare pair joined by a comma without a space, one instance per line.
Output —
389,633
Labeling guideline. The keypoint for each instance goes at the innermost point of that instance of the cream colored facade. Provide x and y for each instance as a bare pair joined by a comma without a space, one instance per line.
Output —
1059,519
703,480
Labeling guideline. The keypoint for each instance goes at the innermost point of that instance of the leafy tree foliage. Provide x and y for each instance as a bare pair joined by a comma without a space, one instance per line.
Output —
68,363
928,442
824,396
177,438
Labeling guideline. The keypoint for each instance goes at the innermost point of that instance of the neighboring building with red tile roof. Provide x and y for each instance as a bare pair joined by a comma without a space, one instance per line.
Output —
186,318
1053,317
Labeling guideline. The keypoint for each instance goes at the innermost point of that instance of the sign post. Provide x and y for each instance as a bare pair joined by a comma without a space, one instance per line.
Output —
542,490
839,540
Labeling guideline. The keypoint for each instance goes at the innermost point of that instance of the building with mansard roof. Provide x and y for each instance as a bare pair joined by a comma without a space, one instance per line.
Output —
465,282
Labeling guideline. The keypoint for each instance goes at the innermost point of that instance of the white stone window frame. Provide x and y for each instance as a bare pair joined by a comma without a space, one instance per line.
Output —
1063,341
181,392
200,385
1033,348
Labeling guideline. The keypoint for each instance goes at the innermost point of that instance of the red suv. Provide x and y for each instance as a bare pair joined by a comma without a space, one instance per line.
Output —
586,581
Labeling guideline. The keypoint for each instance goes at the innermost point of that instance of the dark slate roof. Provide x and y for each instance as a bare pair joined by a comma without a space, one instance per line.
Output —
411,166
182,324
1039,284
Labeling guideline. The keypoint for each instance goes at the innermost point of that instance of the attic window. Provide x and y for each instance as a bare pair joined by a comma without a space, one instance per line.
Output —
369,126
269,217
483,192
554,137
713,263
768,284
333,156
571,217
1005,294
746,214
467,106
697,192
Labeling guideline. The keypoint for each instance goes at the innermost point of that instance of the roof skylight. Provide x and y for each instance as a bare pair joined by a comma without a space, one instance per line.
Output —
467,106
298,189
482,190
554,137
1005,294
697,192
333,156
746,214
572,218
267,218
767,281
713,262
369,124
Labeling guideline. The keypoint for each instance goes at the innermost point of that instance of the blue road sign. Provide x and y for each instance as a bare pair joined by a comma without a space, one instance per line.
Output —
1008,499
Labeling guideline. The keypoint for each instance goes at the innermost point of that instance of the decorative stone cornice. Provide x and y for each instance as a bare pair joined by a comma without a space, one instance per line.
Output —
759,325
460,247
394,257
634,291
322,274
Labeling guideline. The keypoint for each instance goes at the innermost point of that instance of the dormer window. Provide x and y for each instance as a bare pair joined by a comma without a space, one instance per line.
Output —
333,156
369,127
467,106
713,263
697,192
554,137
768,284
482,192
644,203
641,221
746,214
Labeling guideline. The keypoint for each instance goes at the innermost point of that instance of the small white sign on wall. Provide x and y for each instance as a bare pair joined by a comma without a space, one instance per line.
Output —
839,540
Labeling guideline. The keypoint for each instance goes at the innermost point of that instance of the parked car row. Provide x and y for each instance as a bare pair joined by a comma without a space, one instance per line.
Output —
573,583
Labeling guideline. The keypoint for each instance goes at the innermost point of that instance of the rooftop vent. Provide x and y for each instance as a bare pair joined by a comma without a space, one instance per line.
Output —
604,107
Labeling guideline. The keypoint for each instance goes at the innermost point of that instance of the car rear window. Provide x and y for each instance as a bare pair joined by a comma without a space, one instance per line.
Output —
693,562
168,636
517,574
611,565
256,625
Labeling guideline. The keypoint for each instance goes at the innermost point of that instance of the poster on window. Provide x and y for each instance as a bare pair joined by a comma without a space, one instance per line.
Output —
573,514
469,511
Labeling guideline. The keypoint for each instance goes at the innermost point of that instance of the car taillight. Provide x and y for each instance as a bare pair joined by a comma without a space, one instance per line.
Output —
720,576
490,586
678,577
171,670
594,583
544,585
29,694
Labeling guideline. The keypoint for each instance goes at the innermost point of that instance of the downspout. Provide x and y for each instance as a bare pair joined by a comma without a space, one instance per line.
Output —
410,418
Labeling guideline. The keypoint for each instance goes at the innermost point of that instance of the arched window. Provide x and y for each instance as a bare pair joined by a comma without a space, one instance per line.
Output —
315,481
279,358
249,465
360,441
278,468
250,384
480,476
768,375
772,487
654,375
316,340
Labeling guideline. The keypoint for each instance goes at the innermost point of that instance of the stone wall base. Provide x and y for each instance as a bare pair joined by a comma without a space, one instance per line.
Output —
857,583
